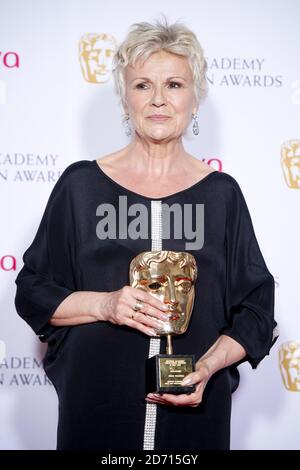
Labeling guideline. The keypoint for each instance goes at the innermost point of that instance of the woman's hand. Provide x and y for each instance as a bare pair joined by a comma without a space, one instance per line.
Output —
199,378
118,308
223,353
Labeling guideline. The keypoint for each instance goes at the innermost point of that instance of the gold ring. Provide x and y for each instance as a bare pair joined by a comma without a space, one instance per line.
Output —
138,306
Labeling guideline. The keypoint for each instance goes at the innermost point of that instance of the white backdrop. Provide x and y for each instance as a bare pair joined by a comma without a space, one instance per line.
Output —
51,116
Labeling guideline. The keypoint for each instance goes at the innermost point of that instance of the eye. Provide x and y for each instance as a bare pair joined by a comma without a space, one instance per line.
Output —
174,85
142,86
185,286
155,285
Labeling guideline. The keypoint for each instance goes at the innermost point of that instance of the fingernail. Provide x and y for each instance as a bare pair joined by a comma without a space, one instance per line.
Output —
165,307
152,333
165,317
186,382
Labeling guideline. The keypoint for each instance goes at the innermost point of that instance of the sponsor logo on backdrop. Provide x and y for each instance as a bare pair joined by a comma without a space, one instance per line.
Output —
289,364
96,52
9,60
290,163
25,371
215,163
8,263
29,167
244,72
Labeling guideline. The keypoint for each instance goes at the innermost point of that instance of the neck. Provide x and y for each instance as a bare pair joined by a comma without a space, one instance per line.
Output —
155,158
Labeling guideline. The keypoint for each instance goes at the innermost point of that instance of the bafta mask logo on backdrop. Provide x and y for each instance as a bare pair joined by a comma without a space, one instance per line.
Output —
290,162
96,53
289,363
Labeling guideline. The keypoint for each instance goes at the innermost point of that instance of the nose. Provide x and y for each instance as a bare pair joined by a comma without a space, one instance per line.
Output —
170,295
158,98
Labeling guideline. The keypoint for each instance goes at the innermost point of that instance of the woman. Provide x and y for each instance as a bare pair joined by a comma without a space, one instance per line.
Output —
74,287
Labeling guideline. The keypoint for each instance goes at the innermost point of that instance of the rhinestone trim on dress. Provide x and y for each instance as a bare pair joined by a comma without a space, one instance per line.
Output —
154,347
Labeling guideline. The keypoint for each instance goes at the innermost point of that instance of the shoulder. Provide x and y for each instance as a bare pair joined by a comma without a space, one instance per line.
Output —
77,175
227,190
227,183
76,170
232,195
220,180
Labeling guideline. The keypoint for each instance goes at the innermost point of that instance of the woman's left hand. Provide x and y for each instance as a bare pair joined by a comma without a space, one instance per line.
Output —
199,378
223,353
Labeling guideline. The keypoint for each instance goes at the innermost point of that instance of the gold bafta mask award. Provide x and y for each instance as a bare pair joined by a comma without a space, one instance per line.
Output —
170,276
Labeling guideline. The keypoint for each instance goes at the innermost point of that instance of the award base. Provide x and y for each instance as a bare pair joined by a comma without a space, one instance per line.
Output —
165,372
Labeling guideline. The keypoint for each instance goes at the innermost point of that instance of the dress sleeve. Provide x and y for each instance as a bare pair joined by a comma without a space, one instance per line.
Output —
46,278
249,297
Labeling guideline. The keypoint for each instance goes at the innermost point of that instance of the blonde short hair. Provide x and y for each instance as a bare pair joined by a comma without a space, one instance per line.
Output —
145,39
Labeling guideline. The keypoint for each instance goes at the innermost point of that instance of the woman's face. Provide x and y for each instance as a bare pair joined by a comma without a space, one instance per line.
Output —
160,96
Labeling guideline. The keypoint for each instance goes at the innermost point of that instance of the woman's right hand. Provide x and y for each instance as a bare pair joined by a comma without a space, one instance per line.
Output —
118,308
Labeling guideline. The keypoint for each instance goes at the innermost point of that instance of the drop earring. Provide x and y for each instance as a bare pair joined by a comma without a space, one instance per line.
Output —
126,125
195,124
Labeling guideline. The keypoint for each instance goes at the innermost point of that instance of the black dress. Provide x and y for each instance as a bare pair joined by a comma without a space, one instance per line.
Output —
98,369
